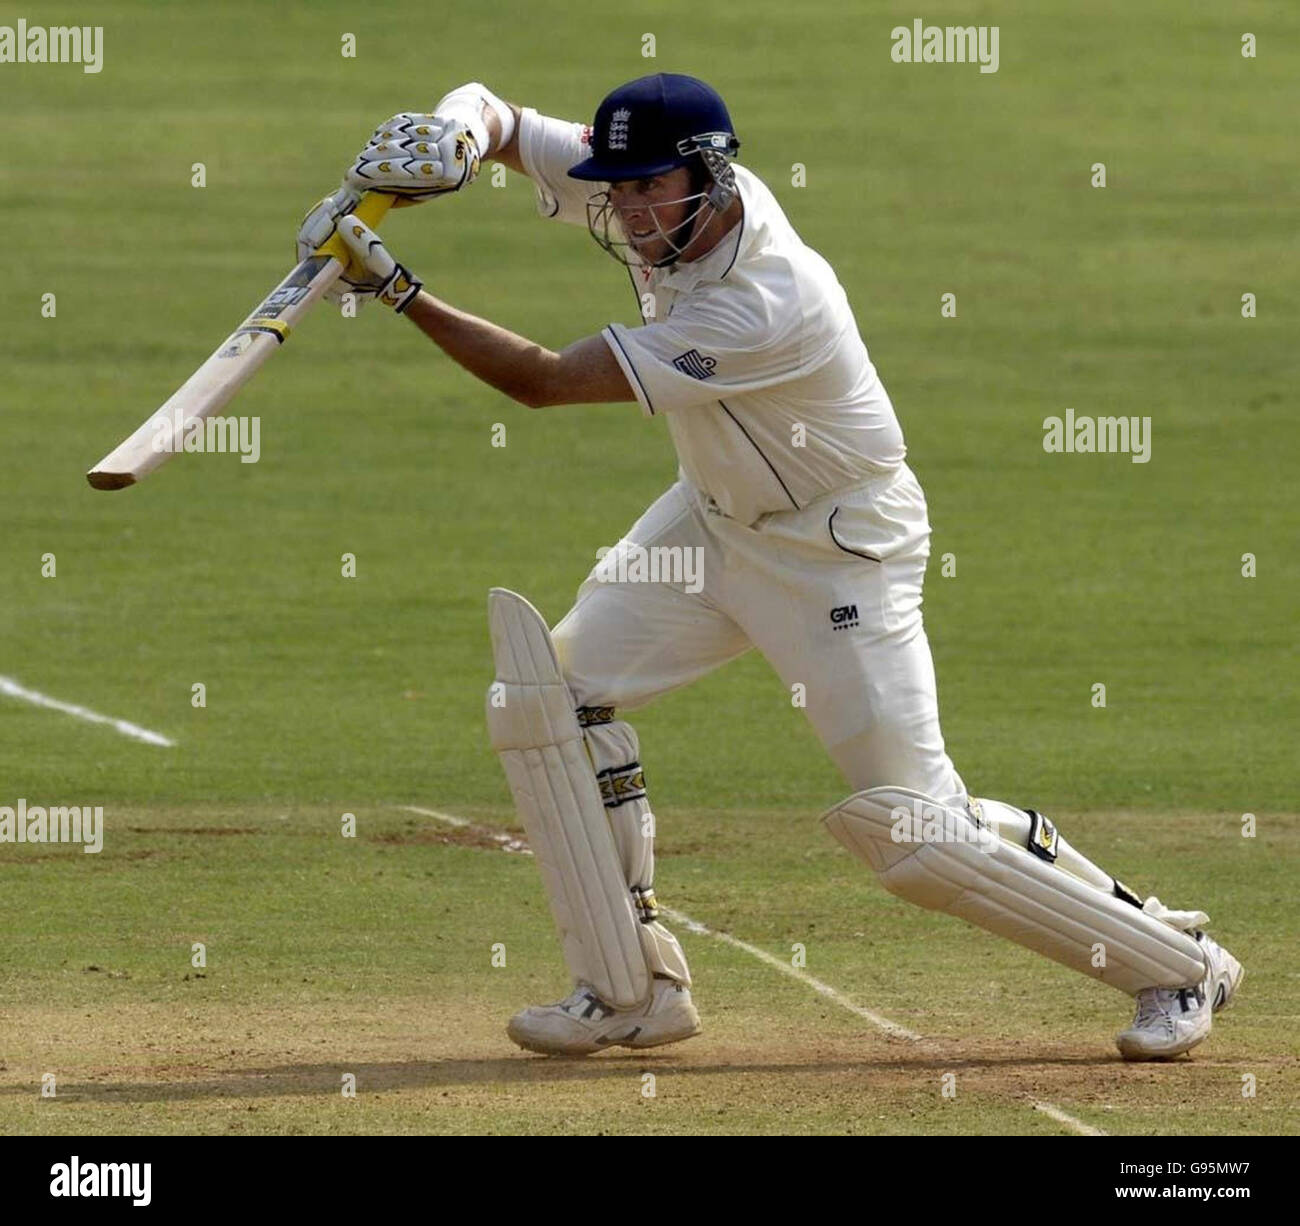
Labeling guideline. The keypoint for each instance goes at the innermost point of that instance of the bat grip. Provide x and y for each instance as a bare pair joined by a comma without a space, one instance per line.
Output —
371,210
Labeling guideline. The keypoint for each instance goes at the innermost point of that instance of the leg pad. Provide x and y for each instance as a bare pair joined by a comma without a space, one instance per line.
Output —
940,858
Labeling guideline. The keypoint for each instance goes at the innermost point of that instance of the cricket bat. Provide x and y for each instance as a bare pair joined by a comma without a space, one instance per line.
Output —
234,362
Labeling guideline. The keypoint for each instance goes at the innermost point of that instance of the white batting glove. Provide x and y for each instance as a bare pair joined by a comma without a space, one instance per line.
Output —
416,157
385,279
318,225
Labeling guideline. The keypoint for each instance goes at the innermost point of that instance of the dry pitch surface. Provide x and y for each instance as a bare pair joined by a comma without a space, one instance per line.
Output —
371,957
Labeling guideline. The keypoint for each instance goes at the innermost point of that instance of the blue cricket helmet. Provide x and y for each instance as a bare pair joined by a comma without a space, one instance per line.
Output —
655,124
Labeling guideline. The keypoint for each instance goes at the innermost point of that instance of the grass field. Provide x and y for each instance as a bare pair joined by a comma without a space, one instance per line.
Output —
326,695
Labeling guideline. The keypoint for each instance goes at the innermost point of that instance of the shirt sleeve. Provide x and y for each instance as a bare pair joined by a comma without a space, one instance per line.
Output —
708,349
547,148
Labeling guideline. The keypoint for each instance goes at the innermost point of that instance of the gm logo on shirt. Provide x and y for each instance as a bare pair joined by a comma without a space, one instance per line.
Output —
696,364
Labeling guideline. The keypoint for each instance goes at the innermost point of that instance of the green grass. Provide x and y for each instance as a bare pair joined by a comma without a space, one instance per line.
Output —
327,695
373,956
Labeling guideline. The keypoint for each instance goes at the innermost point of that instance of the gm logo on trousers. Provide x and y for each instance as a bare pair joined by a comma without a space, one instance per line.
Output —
844,617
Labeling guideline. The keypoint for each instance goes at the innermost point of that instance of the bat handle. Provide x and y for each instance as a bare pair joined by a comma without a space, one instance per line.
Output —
371,210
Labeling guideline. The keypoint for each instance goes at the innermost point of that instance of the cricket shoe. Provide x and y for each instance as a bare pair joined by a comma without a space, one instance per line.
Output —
1170,1021
582,1023
1225,976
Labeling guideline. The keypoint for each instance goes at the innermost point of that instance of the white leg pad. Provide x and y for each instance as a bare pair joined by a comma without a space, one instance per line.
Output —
533,727
966,870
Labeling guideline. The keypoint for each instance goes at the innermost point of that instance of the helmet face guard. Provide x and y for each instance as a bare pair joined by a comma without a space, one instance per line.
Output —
606,226
715,151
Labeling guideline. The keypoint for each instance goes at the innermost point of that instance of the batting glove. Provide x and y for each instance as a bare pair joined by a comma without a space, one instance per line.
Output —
384,279
416,157
318,225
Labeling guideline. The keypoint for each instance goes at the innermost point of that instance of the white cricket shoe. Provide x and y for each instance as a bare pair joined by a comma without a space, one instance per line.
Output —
1225,976
1171,1021
582,1023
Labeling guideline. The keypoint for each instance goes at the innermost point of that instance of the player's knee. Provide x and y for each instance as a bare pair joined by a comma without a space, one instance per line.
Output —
877,758
898,831
575,666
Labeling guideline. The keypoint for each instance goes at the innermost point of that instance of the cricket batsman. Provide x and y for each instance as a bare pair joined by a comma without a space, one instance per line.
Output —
812,536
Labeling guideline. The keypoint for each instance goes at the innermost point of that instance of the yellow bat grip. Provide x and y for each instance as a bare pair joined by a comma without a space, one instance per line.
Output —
371,210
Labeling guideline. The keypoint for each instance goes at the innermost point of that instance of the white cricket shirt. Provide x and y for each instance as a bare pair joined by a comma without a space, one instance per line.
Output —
752,356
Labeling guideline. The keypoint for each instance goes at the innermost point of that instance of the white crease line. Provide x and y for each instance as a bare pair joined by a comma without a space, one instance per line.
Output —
678,917
890,1028
450,818
11,687
876,1019
1084,1130
507,842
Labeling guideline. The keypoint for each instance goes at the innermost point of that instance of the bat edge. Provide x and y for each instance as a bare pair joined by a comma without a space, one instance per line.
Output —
109,481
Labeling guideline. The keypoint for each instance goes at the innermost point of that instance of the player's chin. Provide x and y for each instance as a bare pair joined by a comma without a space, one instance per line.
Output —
649,250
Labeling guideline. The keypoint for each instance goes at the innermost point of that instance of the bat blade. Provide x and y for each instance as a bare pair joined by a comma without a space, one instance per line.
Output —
231,365
215,383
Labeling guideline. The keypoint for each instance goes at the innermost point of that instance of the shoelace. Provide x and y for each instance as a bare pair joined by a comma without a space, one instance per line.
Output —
1153,1007
577,997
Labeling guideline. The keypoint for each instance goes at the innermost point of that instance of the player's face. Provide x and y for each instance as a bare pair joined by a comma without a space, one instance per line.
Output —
663,199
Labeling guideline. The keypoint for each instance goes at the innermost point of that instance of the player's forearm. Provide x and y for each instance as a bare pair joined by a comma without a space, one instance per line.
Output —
493,122
520,368
506,152
585,372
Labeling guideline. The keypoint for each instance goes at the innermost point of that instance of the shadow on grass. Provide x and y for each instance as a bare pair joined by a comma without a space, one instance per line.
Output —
280,1081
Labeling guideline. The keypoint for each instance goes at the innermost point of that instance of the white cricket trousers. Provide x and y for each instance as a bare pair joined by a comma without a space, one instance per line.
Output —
831,596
